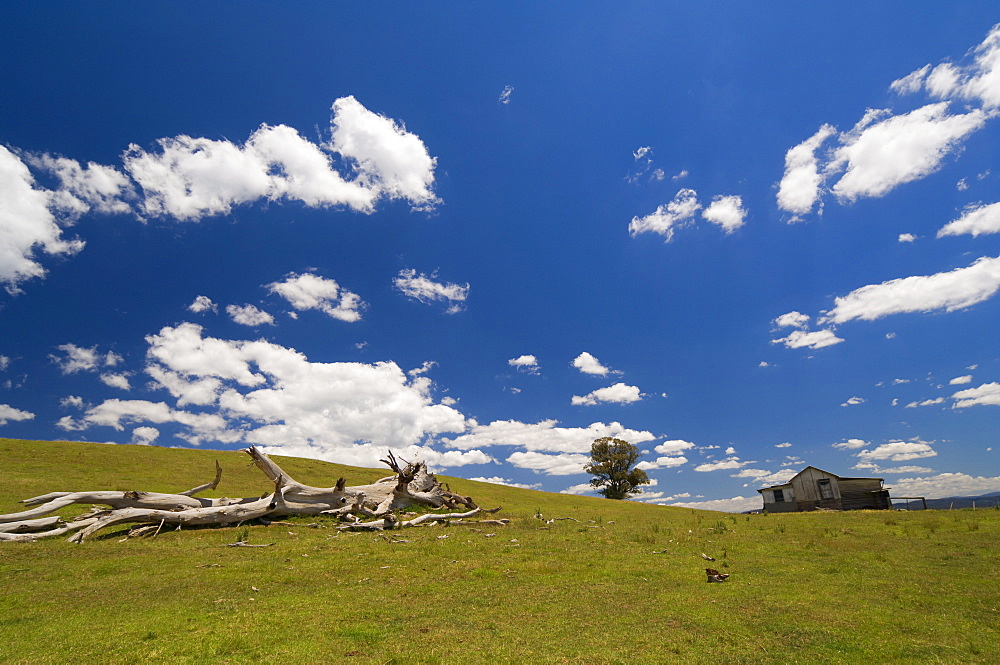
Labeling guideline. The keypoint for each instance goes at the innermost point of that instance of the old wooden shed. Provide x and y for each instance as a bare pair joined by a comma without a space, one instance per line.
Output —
812,489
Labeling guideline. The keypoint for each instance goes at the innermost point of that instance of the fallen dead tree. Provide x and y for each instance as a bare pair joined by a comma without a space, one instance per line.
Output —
380,503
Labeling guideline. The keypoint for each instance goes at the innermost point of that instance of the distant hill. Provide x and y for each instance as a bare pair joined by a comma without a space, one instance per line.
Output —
990,500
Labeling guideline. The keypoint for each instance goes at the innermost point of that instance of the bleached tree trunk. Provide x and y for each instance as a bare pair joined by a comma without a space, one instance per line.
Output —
412,485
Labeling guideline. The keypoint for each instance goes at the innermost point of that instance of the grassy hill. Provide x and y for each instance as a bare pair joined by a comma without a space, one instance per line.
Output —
624,583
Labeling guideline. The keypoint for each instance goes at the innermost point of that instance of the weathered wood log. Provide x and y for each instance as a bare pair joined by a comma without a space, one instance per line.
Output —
412,485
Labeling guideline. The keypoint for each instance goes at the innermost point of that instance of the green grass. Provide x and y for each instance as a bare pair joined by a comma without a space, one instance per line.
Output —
859,587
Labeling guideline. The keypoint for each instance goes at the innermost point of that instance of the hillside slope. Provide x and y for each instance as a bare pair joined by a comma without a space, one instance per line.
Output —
602,582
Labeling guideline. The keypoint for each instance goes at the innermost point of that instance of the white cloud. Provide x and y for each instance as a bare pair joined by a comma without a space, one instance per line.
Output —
783,445
309,291
817,339
642,152
544,436
763,477
737,504
728,463
726,211
978,80
673,446
906,237
189,178
800,187
879,155
986,394
8,413
977,220
618,393
71,402
144,436
28,224
851,444
961,380
425,289
388,159
667,217
912,82
93,187
665,462
792,320
854,401
83,359
497,480
562,464
508,90
116,380
582,488
950,291
926,402
898,451
588,364
946,484
203,304
249,315
525,363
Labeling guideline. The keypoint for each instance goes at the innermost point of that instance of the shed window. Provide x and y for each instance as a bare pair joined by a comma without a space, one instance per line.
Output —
779,496
825,490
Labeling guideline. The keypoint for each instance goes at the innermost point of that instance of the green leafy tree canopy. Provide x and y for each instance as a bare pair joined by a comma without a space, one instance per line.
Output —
612,462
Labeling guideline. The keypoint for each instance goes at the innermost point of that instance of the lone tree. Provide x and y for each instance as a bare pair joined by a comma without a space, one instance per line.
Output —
612,462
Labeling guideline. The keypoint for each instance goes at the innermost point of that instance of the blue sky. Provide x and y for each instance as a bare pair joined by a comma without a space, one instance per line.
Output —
745,238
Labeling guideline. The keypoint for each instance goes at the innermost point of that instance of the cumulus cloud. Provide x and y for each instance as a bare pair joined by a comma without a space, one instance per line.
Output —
9,413
949,291
563,464
906,237
85,188
961,380
800,187
505,94
898,451
29,226
816,339
986,394
667,218
144,436
618,393
544,436
728,463
525,363
497,480
854,401
978,219
852,444
737,504
792,320
726,211
879,154
926,402
764,477
203,304
83,359
308,291
369,158
664,462
946,484
783,445
249,315
190,178
116,380
261,393
978,80
426,289
388,160
588,364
